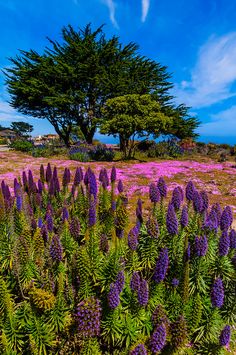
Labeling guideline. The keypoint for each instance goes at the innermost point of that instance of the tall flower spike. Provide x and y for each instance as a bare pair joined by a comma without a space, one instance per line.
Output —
93,185
42,173
154,194
40,186
176,198
224,243
226,218
179,332
201,245
135,281
19,203
48,173
217,293
56,248
197,202
49,223
113,174
120,186
17,187
232,236
152,227
211,221
225,336
143,293
184,217
25,180
92,213
65,214
88,317
133,238
54,174
158,339
217,209
120,281
113,296
190,188
161,266
171,221
139,350
162,187
205,200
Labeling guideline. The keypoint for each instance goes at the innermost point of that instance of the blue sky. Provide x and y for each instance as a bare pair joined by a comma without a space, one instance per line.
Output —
196,40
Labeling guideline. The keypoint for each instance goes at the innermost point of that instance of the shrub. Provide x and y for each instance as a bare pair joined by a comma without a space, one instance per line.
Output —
101,153
73,279
164,149
21,145
85,152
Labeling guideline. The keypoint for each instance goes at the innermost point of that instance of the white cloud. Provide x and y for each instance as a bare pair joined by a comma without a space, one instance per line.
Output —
222,124
7,113
213,75
145,8
112,11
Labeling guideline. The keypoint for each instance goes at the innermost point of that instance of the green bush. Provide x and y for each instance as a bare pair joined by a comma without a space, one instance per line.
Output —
80,156
21,145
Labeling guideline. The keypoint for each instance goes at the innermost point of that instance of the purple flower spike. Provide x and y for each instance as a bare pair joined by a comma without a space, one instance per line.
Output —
120,186
56,248
93,185
225,336
152,227
226,218
232,236
48,173
42,173
92,214
40,186
65,214
189,191
88,317
171,221
205,200
161,266
184,217
66,177
139,350
197,202
113,174
175,282
75,227
120,281
143,293
218,211
201,245
40,222
49,223
133,238
25,180
162,187
217,293
224,243
154,194
113,296
17,187
211,221
19,203
135,281
158,339
57,185
176,198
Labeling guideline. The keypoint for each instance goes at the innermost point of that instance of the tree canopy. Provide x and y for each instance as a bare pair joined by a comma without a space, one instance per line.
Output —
22,129
70,82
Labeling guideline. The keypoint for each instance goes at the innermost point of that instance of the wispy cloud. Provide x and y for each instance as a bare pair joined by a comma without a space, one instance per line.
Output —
112,11
222,124
7,113
213,75
145,8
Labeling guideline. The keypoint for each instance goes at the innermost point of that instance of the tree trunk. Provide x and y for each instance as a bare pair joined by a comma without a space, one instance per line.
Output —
88,133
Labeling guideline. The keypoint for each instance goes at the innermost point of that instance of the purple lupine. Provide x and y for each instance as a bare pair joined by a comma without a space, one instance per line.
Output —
161,266
51,189
93,185
152,227
30,180
78,177
103,244
120,281
184,217
197,202
42,173
211,221
224,243
143,293
154,193
54,174
189,191
175,282
225,336
218,211
158,339
113,174
92,214
65,214
226,218
57,185
66,177
55,249
49,221
135,281
19,203
40,186
86,176
40,222
88,317
201,245
232,236
74,227
138,350
103,178
205,200
162,187
25,180
176,199
120,186
7,193
113,296
133,238
171,220
217,293
17,187
48,173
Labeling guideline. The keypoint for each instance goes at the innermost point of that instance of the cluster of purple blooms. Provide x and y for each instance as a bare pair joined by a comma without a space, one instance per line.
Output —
162,265
56,251
88,317
115,290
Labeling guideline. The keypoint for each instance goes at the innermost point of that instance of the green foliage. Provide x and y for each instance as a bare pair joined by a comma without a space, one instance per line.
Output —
21,145
22,128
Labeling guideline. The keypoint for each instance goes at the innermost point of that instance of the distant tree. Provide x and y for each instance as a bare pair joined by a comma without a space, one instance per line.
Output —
22,129
71,81
2,128
131,117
